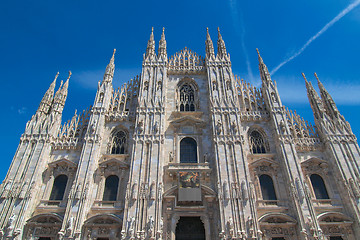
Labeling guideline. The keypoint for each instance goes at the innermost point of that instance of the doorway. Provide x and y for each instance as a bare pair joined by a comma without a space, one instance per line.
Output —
190,228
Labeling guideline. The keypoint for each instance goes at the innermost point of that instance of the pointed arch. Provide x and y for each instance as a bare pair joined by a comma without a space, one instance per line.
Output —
258,141
118,142
187,95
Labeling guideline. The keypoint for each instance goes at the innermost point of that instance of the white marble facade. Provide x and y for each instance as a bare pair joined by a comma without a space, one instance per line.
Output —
120,169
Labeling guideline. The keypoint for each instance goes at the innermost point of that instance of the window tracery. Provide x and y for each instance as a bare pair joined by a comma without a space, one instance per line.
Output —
187,98
118,143
258,143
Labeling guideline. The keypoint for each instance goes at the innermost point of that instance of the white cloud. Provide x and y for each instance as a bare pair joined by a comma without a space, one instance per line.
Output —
292,90
22,110
318,34
90,78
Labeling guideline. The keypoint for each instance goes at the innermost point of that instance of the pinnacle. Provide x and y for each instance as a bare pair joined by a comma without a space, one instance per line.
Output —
152,34
113,56
319,83
259,56
306,81
70,73
219,34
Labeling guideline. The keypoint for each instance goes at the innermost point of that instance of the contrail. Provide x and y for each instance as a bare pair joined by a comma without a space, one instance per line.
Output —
238,21
326,27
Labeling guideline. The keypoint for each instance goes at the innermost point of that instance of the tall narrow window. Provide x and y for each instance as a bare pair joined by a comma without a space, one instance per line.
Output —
111,188
267,187
257,143
319,187
187,98
118,143
58,190
188,150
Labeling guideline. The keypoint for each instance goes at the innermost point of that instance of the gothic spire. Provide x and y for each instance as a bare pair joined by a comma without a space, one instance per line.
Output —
327,100
110,68
46,101
61,95
150,50
162,45
264,72
209,45
221,45
314,99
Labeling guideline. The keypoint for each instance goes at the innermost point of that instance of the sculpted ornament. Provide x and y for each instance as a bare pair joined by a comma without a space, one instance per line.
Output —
140,126
230,224
171,157
218,127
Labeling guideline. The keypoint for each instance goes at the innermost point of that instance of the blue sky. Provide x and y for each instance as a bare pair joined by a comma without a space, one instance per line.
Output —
40,38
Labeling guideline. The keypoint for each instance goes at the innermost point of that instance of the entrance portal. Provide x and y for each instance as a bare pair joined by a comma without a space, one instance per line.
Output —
190,228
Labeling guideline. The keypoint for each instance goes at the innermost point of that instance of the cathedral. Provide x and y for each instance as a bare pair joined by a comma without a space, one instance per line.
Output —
184,151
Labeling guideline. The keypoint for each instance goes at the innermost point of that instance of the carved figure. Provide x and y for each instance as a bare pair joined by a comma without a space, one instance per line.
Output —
171,157
206,157
156,127
140,126
218,127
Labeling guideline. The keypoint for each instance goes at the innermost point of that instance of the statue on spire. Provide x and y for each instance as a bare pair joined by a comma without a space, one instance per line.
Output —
327,100
221,46
150,50
110,68
162,45
209,45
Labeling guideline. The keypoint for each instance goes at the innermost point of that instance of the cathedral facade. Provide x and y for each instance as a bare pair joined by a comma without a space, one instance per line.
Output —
186,150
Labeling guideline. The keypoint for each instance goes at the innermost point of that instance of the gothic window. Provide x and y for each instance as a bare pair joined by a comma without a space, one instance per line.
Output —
187,98
267,187
319,187
58,190
188,150
111,188
118,143
258,144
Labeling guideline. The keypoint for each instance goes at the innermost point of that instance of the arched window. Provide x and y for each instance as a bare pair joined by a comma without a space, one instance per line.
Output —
188,150
267,187
319,187
257,143
118,143
111,188
58,190
187,98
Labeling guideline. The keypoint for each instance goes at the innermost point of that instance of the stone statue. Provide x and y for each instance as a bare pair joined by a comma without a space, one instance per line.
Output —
171,157
218,127
206,157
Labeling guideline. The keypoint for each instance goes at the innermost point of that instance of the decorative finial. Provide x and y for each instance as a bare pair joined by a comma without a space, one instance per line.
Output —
56,76
114,52
163,30
69,75
303,74
316,77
